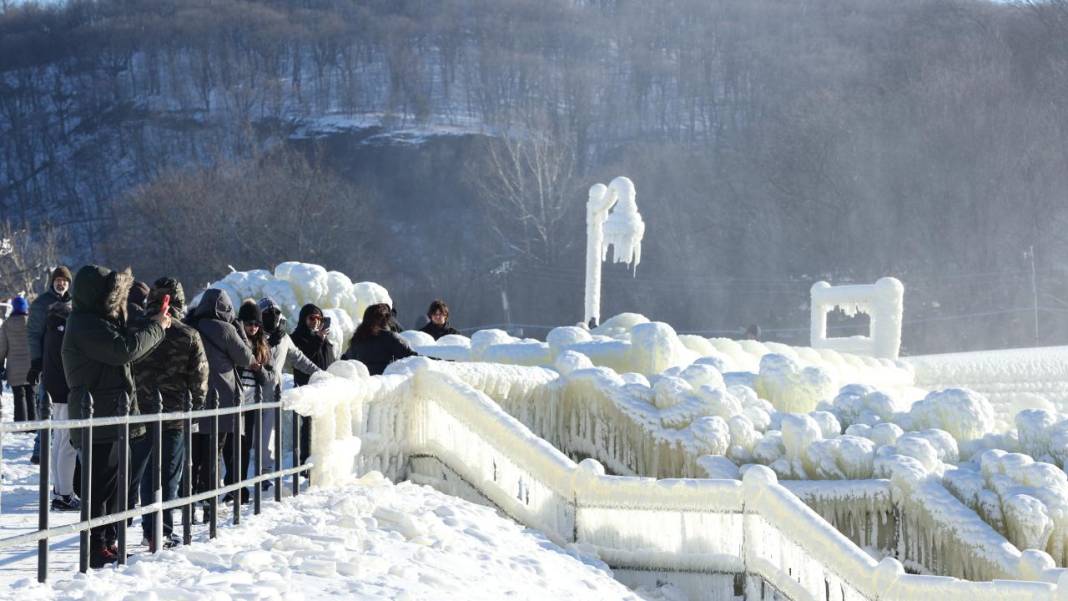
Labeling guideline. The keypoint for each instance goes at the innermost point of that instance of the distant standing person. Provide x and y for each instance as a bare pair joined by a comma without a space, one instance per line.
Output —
374,344
175,371
312,337
438,326
98,348
284,356
58,290
15,351
64,455
227,351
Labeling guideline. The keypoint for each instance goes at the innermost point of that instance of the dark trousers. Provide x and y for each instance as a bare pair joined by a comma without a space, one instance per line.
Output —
238,472
140,453
305,437
25,403
173,465
104,496
202,459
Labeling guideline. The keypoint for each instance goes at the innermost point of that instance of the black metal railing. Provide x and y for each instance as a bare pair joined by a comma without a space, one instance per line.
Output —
154,510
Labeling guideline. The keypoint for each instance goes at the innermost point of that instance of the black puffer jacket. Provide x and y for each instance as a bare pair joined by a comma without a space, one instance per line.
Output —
378,351
177,370
320,350
98,349
438,331
55,381
226,350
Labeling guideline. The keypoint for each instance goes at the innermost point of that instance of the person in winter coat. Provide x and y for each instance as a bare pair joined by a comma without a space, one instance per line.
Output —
15,351
251,319
438,326
374,344
312,337
140,446
58,291
227,351
64,455
97,351
175,371
284,356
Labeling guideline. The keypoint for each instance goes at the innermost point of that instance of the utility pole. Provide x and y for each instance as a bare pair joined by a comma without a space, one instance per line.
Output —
1034,286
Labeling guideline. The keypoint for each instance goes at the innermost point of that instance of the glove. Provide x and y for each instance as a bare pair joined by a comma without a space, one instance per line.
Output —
34,374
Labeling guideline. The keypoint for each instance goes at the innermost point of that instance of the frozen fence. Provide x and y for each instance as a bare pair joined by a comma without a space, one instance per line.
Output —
723,538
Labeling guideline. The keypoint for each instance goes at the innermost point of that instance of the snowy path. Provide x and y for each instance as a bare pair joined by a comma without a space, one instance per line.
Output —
369,540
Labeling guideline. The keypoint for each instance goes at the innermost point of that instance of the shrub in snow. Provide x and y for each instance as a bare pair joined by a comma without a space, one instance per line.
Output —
790,388
712,434
568,361
965,414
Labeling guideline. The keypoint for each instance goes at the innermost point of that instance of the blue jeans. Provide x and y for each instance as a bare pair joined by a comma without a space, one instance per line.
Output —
172,467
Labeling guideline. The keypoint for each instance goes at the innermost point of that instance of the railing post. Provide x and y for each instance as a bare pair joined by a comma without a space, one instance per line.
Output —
187,472
45,413
213,471
124,475
87,482
296,452
157,475
278,442
238,476
257,493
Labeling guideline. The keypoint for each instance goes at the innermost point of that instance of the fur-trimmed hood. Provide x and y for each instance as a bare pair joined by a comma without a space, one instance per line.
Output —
101,291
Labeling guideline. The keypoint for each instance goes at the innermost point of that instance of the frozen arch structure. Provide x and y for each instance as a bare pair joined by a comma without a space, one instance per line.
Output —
882,301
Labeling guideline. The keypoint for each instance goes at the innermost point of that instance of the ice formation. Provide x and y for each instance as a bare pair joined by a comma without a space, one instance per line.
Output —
293,284
646,401
622,230
883,301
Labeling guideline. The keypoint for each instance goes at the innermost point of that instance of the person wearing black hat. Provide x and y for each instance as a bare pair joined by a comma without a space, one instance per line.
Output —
135,305
312,337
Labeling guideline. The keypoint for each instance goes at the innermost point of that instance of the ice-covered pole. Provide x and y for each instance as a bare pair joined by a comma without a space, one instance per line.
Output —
597,207
623,229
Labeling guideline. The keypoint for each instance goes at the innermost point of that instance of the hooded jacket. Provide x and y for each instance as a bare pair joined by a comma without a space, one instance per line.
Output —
55,381
320,350
226,350
98,349
177,369
284,354
14,349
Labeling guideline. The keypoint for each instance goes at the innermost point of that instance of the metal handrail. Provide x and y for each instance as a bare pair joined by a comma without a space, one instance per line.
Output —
186,499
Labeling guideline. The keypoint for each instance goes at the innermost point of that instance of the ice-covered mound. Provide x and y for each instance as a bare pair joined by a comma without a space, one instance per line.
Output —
791,388
294,284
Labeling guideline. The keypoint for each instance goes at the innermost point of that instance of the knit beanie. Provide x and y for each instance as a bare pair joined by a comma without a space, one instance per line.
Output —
19,306
61,272
250,313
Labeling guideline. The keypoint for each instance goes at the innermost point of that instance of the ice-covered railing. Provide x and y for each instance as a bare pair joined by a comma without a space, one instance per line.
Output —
720,537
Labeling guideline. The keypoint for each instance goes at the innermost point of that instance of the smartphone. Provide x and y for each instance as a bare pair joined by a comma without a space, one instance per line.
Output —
326,323
165,304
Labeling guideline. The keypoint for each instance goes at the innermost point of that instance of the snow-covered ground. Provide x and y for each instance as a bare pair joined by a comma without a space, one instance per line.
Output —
370,539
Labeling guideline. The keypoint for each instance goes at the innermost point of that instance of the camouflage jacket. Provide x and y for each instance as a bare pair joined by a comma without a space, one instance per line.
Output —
177,368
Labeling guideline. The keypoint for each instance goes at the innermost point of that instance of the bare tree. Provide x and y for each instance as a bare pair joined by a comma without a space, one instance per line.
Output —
528,185
25,258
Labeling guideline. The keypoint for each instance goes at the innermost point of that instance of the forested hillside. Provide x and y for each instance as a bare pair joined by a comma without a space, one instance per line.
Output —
444,148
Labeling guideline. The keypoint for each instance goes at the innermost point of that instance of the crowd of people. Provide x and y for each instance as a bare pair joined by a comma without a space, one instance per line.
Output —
100,344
